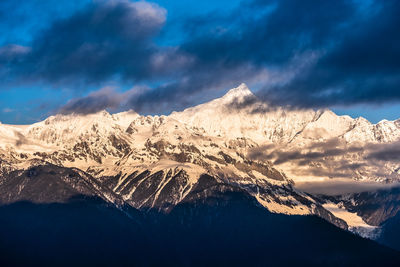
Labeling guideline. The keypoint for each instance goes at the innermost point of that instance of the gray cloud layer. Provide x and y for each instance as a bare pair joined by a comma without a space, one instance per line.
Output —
333,158
336,187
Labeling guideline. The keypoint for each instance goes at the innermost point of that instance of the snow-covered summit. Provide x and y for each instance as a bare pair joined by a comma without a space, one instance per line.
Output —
239,93
237,114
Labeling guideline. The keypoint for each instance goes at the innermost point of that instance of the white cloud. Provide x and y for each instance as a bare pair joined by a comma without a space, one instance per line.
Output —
7,110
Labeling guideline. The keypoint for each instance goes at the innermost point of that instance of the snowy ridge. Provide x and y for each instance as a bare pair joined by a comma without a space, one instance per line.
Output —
155,161
356,223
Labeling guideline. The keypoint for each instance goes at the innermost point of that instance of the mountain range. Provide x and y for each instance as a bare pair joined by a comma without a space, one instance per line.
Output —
233,166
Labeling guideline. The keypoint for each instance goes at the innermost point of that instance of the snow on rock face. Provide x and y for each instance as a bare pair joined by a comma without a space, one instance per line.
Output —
356,223
66,128
124,119
386,131
230,117
326,126
292,131
128,151
239,94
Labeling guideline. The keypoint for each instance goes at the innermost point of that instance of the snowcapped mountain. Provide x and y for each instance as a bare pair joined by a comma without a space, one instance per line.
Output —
156,162
239,115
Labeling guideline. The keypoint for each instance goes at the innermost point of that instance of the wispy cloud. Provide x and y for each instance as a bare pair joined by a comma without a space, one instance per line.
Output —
335,187
334,158
7,110
105,98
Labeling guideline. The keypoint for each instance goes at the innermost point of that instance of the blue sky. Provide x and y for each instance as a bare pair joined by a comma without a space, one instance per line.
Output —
159,56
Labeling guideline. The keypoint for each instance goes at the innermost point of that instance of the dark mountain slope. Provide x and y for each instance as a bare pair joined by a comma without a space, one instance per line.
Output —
390,235
222,225
43,184
84,231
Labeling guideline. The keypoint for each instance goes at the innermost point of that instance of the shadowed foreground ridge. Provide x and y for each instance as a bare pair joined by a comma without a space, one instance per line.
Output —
226,227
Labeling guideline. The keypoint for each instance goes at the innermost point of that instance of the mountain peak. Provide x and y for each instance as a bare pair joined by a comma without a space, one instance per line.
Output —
241,91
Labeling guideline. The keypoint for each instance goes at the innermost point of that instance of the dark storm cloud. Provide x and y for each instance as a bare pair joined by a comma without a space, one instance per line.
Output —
302,53
103,99
108,97
360,66
189,88
267,32
227,50
102,41
299,53
317,53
